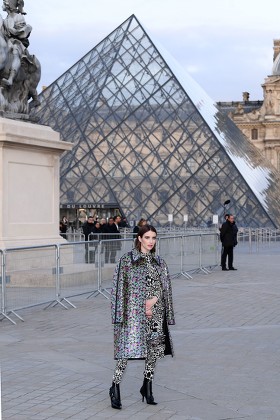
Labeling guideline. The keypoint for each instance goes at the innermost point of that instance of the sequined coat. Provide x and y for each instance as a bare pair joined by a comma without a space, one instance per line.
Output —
128,298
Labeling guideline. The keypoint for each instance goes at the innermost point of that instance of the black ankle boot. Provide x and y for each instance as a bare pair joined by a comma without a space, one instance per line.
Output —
146,392
115,396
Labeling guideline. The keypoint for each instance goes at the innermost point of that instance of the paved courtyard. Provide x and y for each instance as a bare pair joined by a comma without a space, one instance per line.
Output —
58,364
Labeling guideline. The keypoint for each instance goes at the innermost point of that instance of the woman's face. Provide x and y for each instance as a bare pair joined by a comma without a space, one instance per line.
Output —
148,241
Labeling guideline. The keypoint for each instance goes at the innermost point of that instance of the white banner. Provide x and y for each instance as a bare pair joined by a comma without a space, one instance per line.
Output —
170,218
215,219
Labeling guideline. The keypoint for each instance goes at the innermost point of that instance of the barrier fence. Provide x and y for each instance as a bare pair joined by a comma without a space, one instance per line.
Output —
257,238
52,275
253,235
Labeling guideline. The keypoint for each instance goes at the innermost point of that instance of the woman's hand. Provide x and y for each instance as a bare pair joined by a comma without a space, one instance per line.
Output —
149,313
149,305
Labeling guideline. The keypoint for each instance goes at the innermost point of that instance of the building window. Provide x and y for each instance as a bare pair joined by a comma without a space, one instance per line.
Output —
254,134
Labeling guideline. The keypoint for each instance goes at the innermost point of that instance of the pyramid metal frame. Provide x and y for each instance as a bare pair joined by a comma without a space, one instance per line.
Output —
148,140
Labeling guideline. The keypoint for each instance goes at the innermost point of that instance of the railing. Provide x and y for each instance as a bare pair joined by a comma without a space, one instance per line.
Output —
77,235
257,238
52,275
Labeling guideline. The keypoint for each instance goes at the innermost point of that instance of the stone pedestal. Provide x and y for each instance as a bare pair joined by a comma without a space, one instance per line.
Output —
29,184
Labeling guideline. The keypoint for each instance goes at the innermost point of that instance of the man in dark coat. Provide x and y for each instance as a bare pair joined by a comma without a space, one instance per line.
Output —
88,231
220,228
112,232
123,223
228,238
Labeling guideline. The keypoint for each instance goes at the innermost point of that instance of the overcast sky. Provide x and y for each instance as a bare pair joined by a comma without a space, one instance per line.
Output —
226,45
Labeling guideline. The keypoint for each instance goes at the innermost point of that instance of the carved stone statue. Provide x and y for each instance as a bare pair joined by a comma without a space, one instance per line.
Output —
14,5
20,72
276,58
246,96
239,110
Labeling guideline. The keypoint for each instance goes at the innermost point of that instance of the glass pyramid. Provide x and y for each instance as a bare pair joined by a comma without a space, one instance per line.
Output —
149,141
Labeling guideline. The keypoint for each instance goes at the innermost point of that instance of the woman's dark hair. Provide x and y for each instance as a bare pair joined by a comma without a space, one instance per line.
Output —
144,229
141,221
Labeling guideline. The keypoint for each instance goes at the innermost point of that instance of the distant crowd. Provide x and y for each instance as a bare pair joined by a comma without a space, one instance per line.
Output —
96,230
95,225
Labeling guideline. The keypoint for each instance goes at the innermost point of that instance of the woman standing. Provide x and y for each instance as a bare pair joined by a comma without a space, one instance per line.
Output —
142,309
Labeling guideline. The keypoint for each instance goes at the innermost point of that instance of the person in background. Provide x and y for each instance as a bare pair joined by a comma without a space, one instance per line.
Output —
228,236
63,227
142,309
142,222
111,232
95,237
123,223
97,231
103,222
103,226
226,216
88,230
117,221
222,250
235,230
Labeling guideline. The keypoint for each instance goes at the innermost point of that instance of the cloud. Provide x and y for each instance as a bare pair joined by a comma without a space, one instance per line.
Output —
225,44
192,69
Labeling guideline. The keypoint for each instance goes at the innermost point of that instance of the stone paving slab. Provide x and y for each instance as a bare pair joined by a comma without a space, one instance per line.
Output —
58,364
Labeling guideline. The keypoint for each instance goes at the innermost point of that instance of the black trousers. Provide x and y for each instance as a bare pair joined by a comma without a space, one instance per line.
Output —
227,253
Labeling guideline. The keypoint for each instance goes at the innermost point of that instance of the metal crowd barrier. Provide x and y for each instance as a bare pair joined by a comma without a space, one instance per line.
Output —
186,255
52,275
74,236
257,238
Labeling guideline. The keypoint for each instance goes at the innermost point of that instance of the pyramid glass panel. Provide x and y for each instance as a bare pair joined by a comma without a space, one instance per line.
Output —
150,142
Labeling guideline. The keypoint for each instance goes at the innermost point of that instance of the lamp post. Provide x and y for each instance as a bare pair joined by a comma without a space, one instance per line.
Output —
170,219
186,219
225,204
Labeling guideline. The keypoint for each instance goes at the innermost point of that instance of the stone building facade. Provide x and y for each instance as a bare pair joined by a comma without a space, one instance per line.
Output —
260,120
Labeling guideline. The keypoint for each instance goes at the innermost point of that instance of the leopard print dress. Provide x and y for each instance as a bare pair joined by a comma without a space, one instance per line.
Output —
154,325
